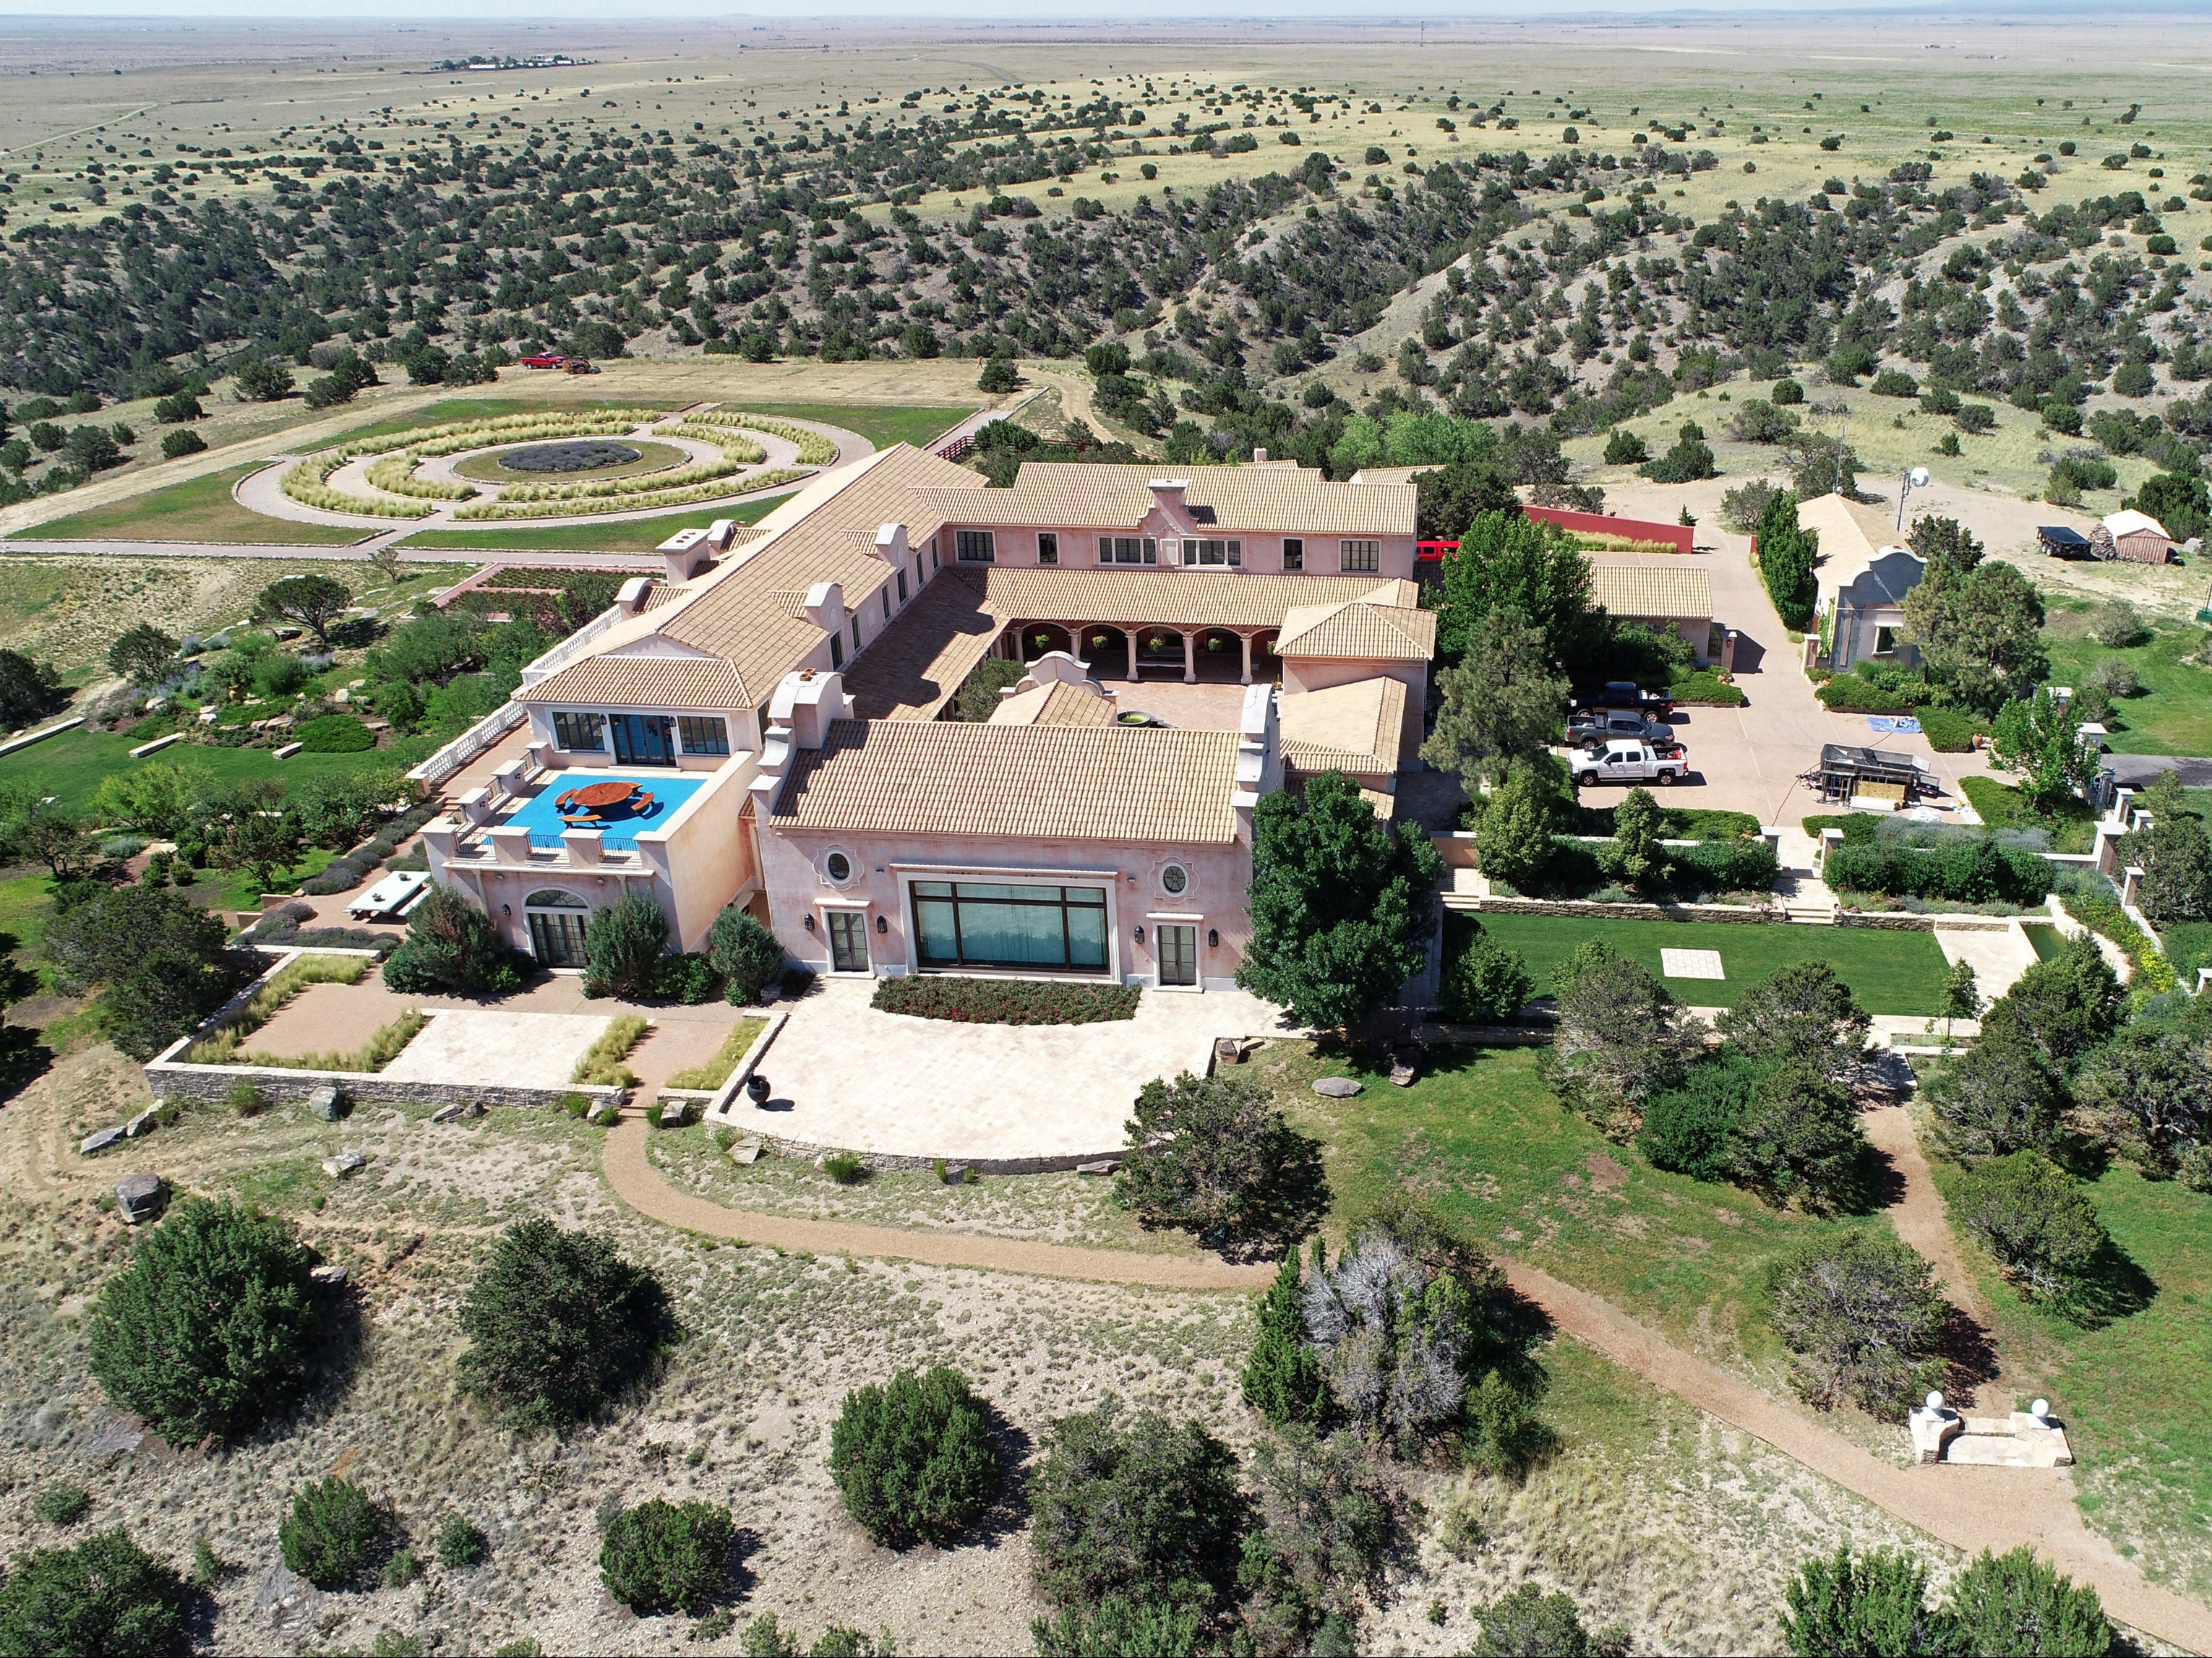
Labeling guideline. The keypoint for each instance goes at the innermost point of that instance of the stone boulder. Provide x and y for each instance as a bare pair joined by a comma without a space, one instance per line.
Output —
1338,1088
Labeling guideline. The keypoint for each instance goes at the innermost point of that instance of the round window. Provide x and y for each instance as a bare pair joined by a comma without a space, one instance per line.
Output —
839,865
1175,878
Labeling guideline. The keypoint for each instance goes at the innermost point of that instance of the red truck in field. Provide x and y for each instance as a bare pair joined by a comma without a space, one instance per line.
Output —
545,360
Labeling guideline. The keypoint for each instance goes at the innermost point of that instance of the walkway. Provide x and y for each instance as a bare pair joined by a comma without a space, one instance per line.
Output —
1970,1509
635,1179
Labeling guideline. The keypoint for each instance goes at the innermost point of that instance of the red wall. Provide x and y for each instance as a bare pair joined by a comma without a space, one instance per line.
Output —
1635,529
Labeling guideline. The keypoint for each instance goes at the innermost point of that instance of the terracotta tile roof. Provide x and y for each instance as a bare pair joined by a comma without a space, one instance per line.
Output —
1049,782
1360,631
743,610
1357,728
653,682
1074,494
660,596
1664,587
1055,705
919,661
1170,599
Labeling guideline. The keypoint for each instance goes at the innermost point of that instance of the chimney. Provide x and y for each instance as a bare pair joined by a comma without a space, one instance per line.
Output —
891,544
685,552
1259,456
1167,495
825,606
719,533
805,704
630,598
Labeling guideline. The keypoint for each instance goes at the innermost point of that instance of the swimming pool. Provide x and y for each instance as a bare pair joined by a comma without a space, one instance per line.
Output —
664,796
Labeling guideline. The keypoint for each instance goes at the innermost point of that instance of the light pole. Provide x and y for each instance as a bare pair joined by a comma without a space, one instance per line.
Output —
1914,478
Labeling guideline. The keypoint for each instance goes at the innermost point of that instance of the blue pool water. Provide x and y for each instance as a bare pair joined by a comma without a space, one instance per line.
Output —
669,789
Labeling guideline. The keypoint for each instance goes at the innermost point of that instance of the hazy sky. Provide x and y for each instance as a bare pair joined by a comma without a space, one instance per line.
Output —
1063,11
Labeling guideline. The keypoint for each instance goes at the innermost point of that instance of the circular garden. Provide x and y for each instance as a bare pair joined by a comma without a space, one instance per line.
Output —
571,460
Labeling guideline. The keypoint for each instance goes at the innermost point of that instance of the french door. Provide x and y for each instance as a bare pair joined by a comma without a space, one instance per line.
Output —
1178,954
643,739
848,941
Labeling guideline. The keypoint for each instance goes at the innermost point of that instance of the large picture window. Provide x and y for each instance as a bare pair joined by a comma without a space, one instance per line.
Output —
580,733
972,546
702,735
1362,554
1037,929
1128,549
1209,551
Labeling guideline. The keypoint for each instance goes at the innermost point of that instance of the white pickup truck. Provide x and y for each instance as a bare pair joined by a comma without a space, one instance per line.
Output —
1626,760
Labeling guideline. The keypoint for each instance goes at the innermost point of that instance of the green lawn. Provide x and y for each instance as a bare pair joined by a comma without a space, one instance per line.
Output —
638,535
2131,1392
1891,972
70,767
2001,806
1479,1136
882,424
199,509
2174,715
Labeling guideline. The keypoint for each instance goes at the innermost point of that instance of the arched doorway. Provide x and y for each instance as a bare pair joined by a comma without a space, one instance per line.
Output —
1219,657
1037,638
1159,650
1106,648
558,919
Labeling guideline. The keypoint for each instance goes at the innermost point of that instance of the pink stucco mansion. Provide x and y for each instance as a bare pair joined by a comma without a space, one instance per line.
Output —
779,707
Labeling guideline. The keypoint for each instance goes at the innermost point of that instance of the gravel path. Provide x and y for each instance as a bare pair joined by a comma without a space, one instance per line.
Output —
1968,1508
636,1182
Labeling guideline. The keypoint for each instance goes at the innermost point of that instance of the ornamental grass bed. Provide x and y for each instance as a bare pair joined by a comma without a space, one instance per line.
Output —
1005,1001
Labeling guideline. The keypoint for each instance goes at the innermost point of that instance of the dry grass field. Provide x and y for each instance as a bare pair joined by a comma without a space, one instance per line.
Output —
1650,1514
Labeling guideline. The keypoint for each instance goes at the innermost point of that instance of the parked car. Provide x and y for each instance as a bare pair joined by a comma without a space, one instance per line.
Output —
545,360
579,366
1620,694
1628,760
1592,727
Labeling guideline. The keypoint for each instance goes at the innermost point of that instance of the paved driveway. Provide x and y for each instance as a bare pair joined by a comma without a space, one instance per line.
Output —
1748,759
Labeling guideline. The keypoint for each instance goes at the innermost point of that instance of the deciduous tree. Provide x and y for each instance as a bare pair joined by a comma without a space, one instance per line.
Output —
1339,903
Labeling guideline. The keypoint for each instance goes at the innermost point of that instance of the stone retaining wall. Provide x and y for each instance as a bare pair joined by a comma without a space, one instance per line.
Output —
1907,922
173,1079
889,1160
1584,908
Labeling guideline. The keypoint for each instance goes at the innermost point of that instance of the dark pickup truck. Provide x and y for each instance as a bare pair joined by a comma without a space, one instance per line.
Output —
1620,694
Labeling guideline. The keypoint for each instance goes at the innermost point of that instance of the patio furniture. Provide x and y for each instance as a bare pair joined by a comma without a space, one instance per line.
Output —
390,898
588,804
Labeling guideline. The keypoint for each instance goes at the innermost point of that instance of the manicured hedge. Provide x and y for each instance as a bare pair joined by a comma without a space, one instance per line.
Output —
1967,872
1728,865
1851,693
335,734
1947,731
1005,1001
1706,690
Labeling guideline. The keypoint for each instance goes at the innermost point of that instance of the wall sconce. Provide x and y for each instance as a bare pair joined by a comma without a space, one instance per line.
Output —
810,924
1140,932
882,926
1214,937
507,909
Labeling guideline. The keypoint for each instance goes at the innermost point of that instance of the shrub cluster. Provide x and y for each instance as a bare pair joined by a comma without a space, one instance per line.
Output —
1877,1602
1004,1001
331,1531
557,1321
664,1557
107,1595
210,1327
1977,872
914,1458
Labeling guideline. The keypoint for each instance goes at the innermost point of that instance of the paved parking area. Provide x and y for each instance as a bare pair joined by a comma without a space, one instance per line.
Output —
844,1075
1748,759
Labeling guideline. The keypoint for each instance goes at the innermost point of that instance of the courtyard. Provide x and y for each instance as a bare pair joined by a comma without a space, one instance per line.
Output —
844,1075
